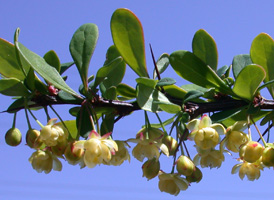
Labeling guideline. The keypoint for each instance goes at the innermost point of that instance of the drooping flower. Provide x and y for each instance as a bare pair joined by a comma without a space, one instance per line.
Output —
149,147
235,137
121,155
211,158
45,161
52,133
250,170
98,149
172,183
204,133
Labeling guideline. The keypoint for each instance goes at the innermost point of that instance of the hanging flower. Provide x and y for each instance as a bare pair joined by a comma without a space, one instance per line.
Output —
121,155
52,133
204,133
235,137
250,170
98,149
45,161
149,147
211,158
172,183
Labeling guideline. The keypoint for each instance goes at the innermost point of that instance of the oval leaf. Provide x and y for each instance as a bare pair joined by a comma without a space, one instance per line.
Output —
128,37
45,70
261,53
126,90
205,48
13,87
248,81
239,62
81,47
52,59
162,63
9,66
191,68
166,81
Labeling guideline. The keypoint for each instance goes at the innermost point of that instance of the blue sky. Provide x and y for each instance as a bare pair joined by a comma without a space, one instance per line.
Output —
168,26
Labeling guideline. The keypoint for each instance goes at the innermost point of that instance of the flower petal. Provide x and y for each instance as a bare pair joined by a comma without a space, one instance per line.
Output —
219,128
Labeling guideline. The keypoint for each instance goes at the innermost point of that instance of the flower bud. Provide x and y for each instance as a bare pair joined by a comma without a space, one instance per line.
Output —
185,166
251,152
171,144
151,168
73,154
13,137
33,139
196,176
268,157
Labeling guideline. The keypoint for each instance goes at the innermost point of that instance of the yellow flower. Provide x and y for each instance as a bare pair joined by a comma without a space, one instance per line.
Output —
98,149
121,155
235,137
51,133
148,148
172,183
45,161
204,133
250,170
210,158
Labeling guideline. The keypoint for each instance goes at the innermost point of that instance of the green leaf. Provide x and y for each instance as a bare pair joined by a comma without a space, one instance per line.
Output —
208,93
151,99
74,110
128,37
261,53
193,94
13,87
191,68
221,72
104,71
126,91
83,121
52,59
71,126
267,118
175,91
223,115
166,81
16,105
46,71
242,116
239,62
205,48
162,63
81,47
111,93
115,76
165,123
107,123
248,81
68,98
9,66
65,66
